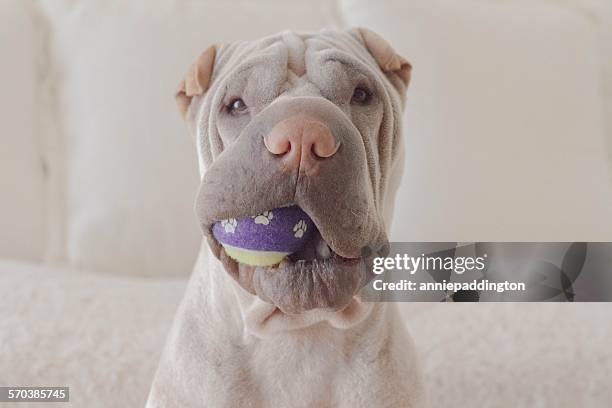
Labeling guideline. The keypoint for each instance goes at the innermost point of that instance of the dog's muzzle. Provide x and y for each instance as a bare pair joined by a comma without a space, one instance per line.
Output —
303,151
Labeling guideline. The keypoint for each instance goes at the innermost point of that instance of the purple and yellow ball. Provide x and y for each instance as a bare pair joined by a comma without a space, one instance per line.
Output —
264,239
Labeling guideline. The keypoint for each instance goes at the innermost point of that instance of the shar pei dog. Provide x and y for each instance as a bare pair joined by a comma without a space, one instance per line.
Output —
309,120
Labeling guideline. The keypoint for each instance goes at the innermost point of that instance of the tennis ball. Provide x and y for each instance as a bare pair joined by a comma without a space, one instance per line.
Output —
264,239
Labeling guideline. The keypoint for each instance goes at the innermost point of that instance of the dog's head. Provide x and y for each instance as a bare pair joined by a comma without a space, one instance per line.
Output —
305,119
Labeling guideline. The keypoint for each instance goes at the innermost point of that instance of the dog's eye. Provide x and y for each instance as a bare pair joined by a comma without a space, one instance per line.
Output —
236,107
361,96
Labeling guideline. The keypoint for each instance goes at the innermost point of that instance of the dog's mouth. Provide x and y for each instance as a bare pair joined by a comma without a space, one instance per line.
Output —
314,277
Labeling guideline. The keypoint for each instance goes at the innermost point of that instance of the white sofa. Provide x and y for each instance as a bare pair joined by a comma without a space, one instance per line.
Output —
508,131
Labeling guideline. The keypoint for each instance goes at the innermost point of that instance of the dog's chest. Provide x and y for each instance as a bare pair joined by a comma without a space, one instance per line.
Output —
301,370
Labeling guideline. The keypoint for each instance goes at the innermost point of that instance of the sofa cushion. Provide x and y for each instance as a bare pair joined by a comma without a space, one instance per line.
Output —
514,354
101,336
131,166
22,199
599,15
504,128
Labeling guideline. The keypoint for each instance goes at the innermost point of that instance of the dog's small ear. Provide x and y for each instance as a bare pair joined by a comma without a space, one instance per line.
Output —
196,80
396,67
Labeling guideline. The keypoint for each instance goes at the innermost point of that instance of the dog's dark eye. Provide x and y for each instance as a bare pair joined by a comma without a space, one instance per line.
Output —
236,107
361,96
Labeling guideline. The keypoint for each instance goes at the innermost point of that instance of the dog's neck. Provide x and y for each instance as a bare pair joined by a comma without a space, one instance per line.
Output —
231,304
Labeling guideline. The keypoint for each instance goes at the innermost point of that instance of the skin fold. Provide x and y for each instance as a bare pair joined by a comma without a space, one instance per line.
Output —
294,334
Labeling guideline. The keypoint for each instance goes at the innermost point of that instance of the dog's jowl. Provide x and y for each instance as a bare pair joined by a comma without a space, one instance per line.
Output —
300,151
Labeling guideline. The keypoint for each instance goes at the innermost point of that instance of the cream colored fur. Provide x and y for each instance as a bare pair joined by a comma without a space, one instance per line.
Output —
228,348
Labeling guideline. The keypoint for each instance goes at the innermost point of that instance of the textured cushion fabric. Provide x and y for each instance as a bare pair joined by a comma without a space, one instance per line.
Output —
22,200
504,122
99,335
102,337
515,355
131,167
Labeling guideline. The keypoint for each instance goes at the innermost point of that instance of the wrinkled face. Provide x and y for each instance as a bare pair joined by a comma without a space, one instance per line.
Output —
310,120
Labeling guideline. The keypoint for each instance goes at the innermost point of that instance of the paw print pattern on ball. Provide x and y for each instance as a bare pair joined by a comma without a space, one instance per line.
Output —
265,238
229,225
264,218
299,229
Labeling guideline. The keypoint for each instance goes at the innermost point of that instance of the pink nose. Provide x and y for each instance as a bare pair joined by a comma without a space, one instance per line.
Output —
301,142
